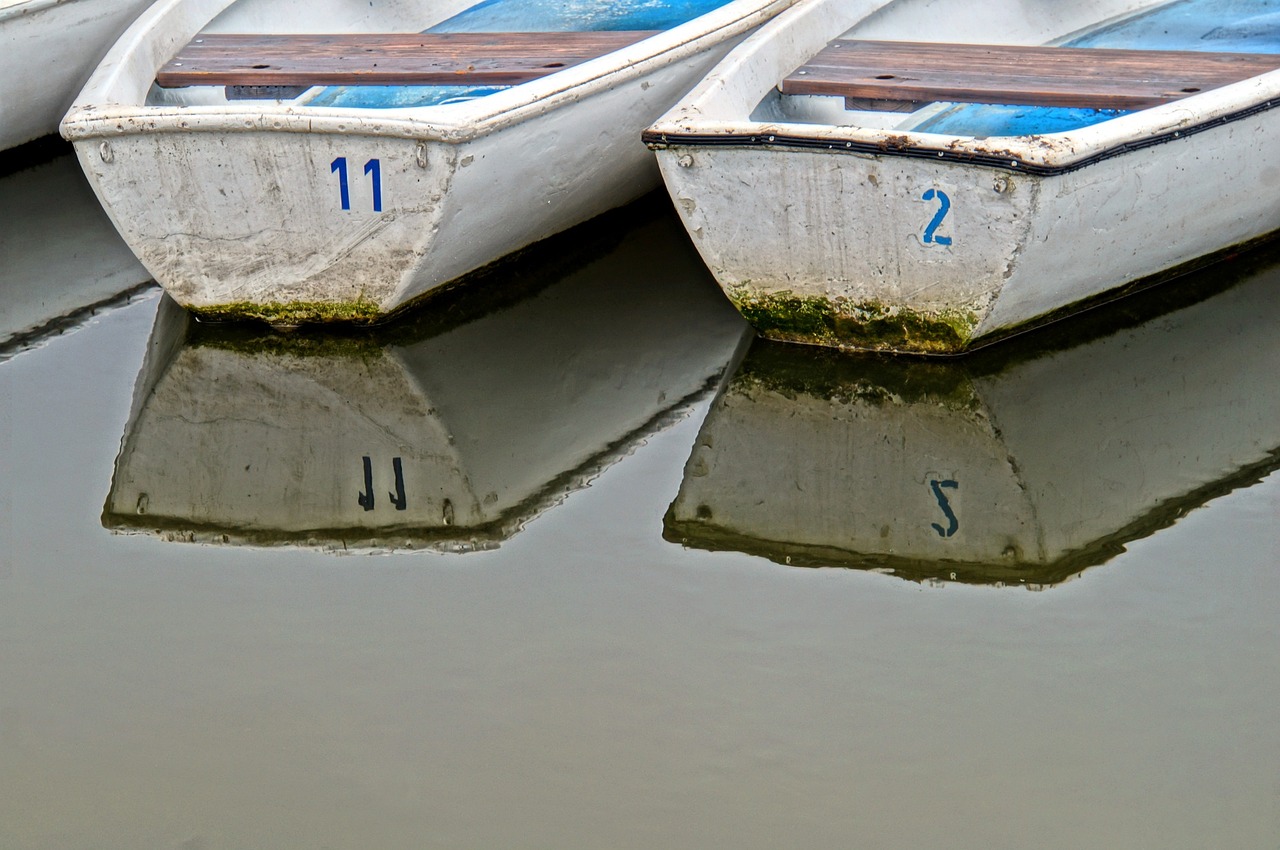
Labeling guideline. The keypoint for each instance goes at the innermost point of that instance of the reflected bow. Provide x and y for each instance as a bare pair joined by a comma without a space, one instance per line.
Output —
60,257
1020,465
450,430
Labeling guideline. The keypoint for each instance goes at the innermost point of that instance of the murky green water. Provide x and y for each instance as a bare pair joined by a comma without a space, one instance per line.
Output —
548,572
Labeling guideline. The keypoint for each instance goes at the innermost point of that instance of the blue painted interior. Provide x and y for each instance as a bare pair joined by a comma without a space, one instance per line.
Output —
520,16
1253,27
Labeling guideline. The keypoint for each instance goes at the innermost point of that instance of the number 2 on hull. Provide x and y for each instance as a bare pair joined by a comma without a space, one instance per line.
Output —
944,206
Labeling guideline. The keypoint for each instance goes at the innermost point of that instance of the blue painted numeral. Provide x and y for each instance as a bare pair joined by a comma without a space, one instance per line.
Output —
953,524
944,205
373,168
340,165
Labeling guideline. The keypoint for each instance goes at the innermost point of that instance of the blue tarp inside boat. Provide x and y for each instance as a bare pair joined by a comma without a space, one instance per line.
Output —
1253,27
519,16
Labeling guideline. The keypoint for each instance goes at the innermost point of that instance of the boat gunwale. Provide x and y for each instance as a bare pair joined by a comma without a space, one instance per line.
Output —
1044,154
450,123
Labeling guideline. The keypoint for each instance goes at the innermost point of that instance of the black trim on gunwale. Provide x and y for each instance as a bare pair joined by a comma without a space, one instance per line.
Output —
1007,162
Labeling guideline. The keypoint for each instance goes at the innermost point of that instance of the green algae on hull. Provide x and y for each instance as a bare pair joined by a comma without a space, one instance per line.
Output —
840,377
868,326
293,313
494,286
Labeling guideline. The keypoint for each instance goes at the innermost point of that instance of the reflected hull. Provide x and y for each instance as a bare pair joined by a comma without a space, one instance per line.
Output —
450,433
1022,468
61,257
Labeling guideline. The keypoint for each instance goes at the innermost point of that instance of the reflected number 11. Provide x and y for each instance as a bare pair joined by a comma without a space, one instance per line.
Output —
366,496
373,168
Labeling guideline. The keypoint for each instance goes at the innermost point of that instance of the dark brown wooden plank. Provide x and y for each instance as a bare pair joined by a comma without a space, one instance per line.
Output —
1013,74
379,59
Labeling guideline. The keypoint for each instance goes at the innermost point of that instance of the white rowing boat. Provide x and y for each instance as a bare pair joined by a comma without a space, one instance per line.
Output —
319,198
48,48
830,219
1022,464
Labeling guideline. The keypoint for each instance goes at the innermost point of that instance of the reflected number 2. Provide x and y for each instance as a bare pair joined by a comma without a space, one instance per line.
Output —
944,206
953,524
373,168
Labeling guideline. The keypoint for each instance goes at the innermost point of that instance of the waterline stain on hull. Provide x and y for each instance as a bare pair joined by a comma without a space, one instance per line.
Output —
876,327
867,326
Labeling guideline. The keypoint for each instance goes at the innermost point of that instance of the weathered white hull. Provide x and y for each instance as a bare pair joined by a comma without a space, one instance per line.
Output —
59,256
48,48
856,234
452,435
1021,466
236,209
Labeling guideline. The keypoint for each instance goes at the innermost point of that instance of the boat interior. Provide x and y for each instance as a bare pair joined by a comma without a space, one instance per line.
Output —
1140,53
292,47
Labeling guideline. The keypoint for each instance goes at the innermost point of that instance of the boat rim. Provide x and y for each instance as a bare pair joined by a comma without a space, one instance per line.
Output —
1045,153
451,123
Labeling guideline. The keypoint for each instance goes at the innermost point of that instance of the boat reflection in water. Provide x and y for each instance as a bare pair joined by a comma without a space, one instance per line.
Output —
448,431
1021,465
60,258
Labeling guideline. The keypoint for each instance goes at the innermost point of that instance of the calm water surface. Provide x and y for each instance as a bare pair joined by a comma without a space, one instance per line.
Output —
581,566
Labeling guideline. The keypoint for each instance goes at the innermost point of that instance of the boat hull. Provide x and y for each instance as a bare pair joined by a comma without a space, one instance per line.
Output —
47,51
297,214
858,230
885,252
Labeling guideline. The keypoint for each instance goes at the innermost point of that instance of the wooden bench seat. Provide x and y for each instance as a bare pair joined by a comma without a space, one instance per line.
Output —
901,74
384,59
